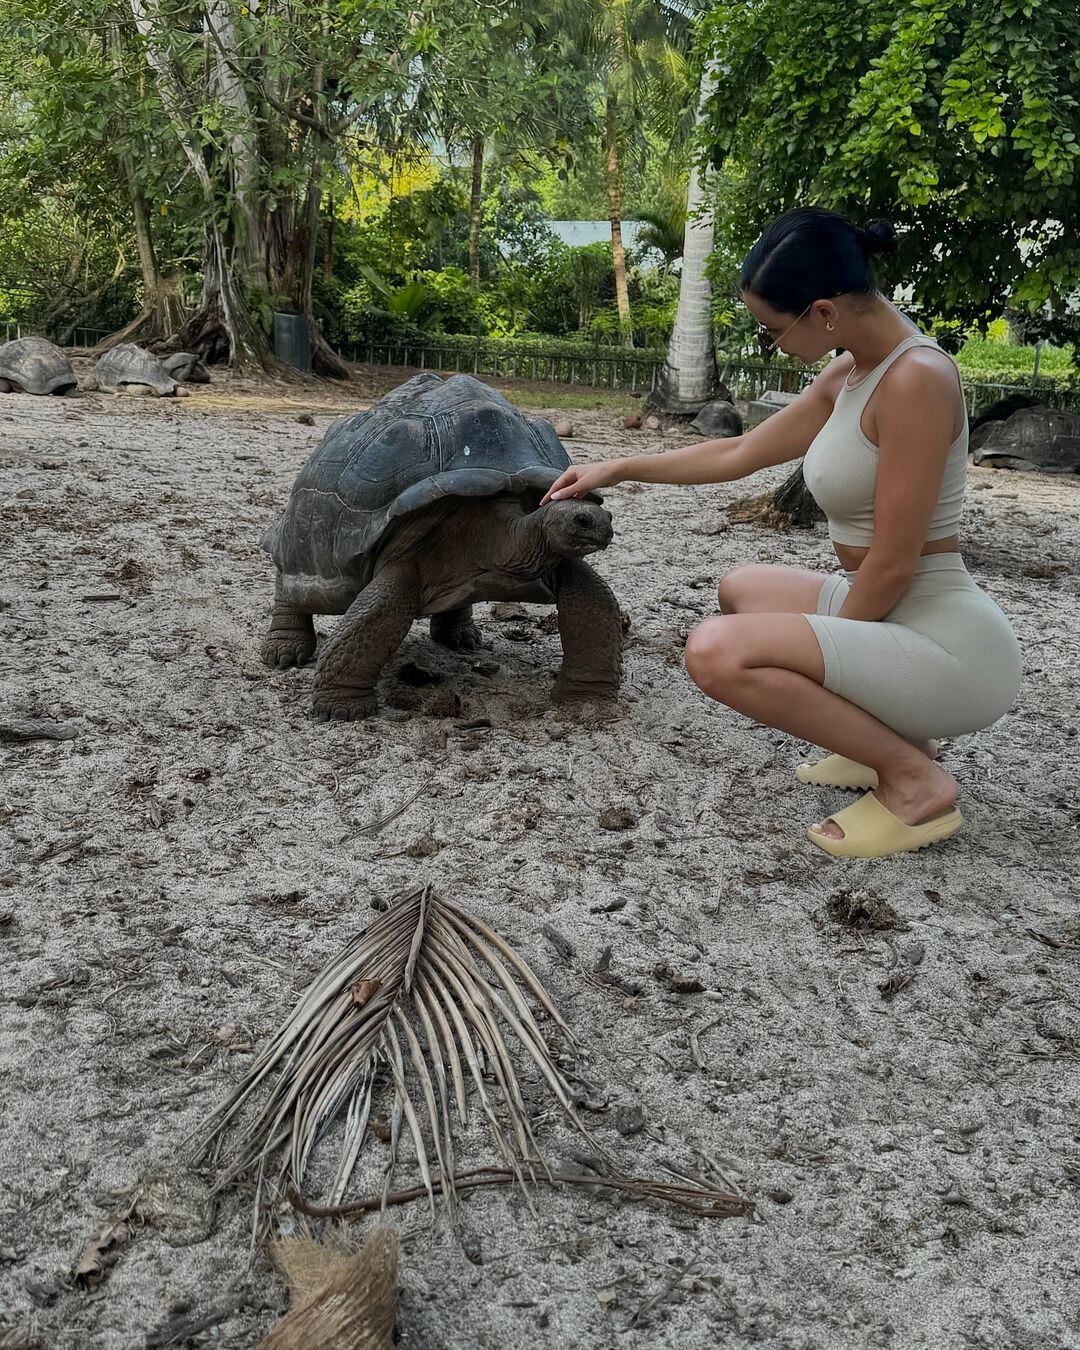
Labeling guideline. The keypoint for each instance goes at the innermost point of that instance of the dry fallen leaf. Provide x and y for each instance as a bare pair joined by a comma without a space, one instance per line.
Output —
100,1253
676,980
363,990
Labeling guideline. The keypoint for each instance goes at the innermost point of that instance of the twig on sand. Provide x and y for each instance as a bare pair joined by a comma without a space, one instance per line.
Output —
695,1036
374,826
181,1329
663,1295
696,1199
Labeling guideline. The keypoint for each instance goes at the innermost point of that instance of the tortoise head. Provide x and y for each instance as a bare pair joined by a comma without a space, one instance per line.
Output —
576,528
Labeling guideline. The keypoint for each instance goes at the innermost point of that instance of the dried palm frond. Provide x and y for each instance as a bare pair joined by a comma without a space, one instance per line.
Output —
425,997
341,1301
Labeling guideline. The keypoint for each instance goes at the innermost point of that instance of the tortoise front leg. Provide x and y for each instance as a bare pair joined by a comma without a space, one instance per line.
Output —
454,628
371,630
590,626
291,639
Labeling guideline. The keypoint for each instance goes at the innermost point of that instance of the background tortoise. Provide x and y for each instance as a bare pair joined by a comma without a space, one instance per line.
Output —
128,369
31,365
1031,438
186,367
423,504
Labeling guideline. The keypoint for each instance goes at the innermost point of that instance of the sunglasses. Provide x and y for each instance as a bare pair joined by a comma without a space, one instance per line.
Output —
768,344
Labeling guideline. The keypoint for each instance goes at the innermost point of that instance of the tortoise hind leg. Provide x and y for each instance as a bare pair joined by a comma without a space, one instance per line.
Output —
291,639
371,630
454,628
590,626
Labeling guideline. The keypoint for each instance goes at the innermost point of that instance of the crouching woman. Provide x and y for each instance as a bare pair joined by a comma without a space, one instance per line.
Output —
900,647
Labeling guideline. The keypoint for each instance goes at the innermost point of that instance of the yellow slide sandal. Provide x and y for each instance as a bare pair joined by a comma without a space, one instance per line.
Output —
838,772
872,831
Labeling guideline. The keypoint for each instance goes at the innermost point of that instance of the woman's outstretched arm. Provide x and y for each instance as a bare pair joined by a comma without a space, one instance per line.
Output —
784,436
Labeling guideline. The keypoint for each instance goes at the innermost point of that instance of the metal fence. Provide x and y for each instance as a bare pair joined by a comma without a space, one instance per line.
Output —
639,373
603,369
80,337
607,368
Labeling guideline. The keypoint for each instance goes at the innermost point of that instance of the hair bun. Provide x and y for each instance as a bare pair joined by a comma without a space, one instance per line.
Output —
878,236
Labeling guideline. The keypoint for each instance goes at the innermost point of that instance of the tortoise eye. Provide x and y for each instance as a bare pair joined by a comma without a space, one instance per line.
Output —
582,519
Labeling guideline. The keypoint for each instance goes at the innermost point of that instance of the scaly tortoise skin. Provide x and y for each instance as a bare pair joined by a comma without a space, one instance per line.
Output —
421,505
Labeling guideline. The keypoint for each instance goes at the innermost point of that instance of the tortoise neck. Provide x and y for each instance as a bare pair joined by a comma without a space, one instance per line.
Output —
528,544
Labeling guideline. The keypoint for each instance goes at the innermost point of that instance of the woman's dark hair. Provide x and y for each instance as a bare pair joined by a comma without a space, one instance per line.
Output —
812,254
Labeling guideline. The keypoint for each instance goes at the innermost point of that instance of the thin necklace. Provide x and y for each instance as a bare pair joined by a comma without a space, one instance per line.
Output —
863,378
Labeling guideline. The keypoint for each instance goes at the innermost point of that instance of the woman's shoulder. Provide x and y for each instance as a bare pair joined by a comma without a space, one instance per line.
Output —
831,380
924,367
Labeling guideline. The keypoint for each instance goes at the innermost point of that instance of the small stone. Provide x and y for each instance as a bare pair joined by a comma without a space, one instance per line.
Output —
676,981
424,847
633,422
306,420
629,1120
564,430
471,1246
507,611
446,703
411,673
617,818
779,1196
405,700
652,422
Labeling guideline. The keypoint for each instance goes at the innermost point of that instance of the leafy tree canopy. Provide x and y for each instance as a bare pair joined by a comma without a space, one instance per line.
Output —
957,119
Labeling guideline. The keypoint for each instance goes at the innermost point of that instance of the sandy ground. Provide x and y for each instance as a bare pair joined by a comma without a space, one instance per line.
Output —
175,875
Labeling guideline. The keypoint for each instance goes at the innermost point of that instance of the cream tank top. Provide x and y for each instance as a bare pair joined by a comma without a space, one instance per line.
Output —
840,468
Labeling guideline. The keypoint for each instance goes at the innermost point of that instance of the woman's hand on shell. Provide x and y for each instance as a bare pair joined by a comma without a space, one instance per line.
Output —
580,479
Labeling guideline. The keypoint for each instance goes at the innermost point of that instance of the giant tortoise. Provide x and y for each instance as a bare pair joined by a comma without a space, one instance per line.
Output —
421,505
130,369
31,365
1031,438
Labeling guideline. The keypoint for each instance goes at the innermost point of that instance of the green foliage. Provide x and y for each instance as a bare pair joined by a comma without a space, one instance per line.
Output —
957,118
979,353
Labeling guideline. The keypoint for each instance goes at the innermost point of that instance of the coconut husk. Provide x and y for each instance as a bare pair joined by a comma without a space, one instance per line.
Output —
341,1300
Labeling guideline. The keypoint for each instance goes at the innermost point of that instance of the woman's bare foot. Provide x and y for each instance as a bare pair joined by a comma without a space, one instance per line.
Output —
912,792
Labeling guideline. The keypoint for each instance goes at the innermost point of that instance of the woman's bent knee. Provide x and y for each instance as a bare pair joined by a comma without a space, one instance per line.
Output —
735,586
708,657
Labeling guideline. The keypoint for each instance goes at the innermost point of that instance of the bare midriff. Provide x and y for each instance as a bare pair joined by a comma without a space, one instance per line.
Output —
850,557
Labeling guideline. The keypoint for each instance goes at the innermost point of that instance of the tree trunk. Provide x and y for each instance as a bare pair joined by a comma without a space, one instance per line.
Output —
690,378
790,507
222,328
297,275
474,209
618,255
793,500
163,311
249,252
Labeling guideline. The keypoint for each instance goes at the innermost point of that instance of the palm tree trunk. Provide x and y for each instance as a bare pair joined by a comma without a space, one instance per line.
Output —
474,209
689,378
618,254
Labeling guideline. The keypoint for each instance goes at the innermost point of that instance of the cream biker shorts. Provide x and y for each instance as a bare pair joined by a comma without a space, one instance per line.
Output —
943,662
